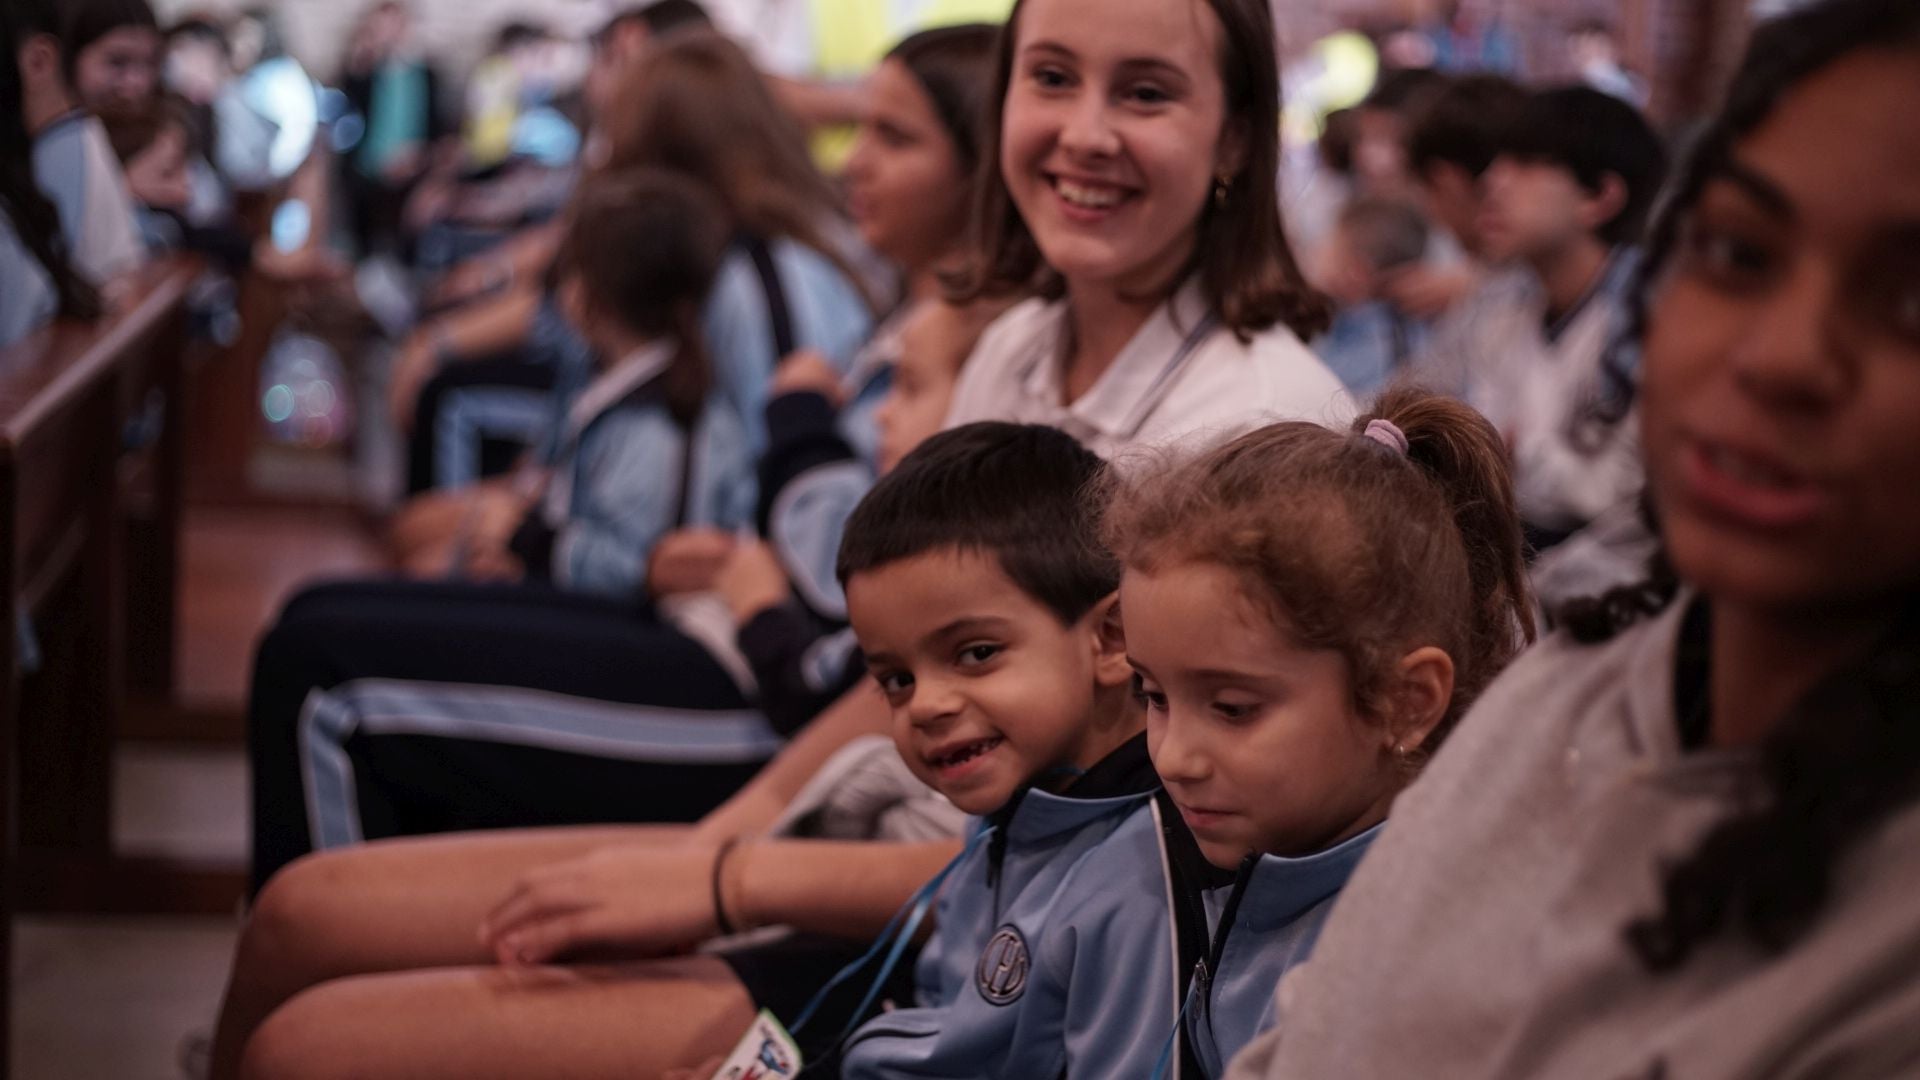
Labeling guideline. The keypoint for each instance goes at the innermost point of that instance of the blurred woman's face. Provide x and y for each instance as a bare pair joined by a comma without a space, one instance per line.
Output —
906,182
1783,353
121,69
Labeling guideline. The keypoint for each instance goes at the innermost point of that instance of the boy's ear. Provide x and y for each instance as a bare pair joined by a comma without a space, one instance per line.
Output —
1109,643
1425,690
40,58
1604,203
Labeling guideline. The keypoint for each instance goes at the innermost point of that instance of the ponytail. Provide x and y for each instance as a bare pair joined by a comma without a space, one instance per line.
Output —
1466,460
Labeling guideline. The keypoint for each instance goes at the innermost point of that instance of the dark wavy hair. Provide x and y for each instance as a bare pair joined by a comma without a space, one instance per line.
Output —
32,214
1846,756
1246,268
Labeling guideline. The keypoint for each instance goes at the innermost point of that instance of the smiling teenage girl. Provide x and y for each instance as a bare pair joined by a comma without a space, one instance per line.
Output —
1138,144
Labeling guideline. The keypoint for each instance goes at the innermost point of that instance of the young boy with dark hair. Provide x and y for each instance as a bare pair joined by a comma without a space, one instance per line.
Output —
1564,204
986,606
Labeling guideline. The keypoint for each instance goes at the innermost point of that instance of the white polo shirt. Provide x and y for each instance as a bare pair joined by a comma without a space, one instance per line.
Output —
1182,377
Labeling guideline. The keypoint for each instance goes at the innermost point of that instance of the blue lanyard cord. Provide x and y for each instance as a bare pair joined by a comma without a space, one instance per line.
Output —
1179,1024
912,913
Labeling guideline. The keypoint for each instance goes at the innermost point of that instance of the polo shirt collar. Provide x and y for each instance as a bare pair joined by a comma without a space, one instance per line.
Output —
1119,402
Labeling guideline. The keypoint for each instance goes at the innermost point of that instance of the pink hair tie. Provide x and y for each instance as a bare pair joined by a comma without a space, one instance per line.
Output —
1387,433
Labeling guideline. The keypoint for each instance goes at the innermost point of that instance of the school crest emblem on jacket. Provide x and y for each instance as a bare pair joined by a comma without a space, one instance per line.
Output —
1002,975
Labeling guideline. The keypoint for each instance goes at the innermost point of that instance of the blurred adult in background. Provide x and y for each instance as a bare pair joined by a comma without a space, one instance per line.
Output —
72,161
389,82
36,281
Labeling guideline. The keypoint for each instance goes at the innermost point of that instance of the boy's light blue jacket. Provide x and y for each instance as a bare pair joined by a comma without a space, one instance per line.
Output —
626,473
1069,950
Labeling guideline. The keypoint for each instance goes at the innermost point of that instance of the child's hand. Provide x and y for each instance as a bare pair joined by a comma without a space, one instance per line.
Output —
688,560
493,562
636,899
497,513
808,370
751,581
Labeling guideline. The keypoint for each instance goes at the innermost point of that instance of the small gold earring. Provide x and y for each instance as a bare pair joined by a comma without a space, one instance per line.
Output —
1220,184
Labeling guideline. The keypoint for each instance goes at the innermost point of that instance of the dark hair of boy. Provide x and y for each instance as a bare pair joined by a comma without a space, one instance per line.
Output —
646,245
1846,757
952,64
1245,266
1337,134
87,21
1024,494
1404,90
518,34
1464,124
27,18
34,217
1594,135
197,28
660,17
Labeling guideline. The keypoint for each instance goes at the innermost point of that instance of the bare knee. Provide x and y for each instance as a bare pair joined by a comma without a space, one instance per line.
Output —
297,925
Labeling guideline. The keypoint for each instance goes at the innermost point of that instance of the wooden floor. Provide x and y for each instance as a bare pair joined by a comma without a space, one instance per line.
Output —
239,566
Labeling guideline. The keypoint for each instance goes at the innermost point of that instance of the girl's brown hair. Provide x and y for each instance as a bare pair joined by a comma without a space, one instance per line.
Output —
697,106
646,246
1350,544
1246,268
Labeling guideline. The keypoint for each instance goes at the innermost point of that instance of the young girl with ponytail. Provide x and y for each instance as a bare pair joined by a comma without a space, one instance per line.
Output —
1307,612
1683,838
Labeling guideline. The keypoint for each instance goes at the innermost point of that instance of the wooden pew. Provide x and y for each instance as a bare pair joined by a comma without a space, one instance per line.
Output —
70,497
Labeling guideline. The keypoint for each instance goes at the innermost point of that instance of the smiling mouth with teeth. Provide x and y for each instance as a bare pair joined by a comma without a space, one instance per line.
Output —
1088,198
964,753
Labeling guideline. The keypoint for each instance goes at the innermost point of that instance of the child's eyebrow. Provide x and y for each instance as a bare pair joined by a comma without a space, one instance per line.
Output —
967,625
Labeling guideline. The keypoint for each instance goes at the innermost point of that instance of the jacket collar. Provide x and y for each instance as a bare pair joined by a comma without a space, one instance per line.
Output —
617,383
1118,782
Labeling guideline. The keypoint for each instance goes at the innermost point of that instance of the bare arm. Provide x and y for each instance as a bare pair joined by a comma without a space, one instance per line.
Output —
861,711
819,104
828,886
656,900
